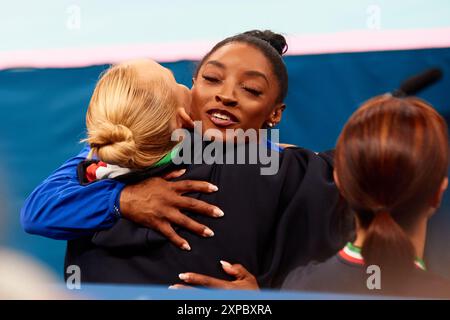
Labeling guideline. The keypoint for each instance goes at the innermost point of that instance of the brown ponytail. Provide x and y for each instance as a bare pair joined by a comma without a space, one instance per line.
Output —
387,246
391,159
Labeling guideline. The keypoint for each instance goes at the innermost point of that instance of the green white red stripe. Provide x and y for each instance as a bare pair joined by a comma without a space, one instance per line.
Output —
352,254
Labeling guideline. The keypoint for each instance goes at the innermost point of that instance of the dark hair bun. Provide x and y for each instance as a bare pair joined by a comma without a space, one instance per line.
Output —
277,41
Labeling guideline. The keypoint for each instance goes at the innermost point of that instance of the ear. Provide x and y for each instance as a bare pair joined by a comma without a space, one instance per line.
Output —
437,198
183,119
275,115
336,179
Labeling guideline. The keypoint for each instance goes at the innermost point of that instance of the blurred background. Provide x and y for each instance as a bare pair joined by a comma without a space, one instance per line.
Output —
340,54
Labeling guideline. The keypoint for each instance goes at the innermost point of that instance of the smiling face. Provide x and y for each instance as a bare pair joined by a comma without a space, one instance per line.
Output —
236,88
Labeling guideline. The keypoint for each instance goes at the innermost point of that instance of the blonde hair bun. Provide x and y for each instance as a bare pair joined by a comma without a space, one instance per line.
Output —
108,133
113,143
129,116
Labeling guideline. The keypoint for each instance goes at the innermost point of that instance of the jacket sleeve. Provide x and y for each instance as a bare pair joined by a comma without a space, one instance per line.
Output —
61,208
313,221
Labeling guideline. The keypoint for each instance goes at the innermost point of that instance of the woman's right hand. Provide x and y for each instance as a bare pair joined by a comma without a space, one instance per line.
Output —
156,203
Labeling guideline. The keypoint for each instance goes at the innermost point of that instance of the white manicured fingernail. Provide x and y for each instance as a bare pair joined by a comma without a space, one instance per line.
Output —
213,187
173,287
208,232
225,264
186,247
183,276
218,212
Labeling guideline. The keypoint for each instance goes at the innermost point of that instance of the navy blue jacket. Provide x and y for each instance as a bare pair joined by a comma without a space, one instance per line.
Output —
339,275
272,224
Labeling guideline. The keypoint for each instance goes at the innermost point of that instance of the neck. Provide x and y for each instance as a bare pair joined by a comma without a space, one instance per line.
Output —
418,237
417,234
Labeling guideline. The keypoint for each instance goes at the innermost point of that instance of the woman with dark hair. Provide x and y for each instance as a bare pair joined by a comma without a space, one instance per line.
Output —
391,165
223,98
240,84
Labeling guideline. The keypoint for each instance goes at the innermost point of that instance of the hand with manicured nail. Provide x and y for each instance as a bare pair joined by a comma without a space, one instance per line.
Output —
157,203
244,279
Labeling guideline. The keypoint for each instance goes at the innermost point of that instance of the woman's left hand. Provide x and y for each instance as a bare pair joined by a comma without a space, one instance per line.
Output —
244,279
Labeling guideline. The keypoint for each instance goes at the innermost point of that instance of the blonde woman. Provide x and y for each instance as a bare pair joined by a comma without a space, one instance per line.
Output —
134,109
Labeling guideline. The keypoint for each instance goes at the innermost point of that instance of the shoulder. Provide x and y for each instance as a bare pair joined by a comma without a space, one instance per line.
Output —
309,157
428,284
315,276
312,169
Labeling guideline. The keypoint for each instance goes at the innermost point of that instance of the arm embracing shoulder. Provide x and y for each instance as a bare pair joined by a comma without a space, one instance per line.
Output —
61,208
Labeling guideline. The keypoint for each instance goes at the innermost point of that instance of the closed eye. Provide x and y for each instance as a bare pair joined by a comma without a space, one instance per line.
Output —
254,92
211,79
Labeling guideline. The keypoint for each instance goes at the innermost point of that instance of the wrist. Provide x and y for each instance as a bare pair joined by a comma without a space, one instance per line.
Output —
124,201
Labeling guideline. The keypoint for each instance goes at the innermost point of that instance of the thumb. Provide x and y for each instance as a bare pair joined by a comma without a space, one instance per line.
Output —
174,174
235,270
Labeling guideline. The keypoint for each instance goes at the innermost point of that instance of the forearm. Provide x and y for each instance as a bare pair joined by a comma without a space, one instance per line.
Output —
61,208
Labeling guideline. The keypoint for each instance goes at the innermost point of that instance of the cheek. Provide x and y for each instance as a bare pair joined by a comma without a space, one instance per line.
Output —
200,96
255,114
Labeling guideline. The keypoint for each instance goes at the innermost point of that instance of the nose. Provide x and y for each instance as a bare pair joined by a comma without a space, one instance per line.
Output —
226,95
226,100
